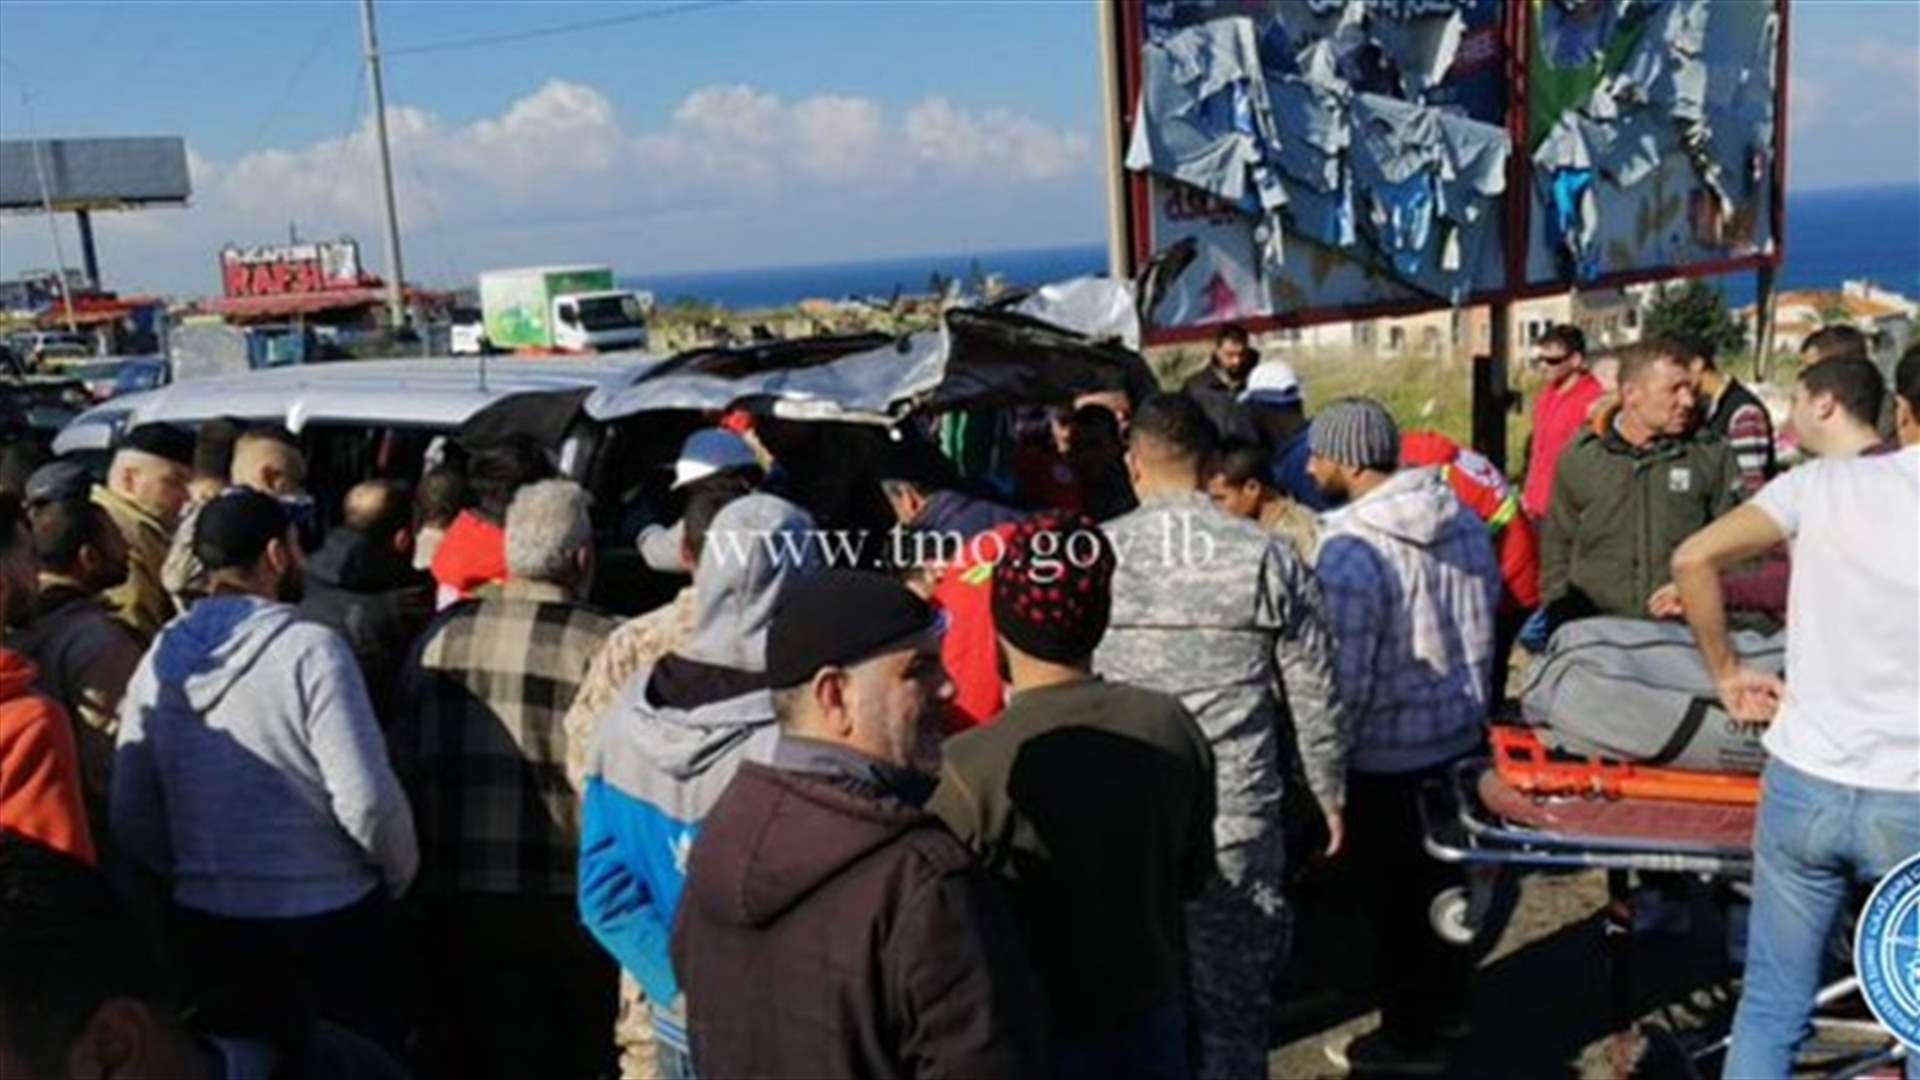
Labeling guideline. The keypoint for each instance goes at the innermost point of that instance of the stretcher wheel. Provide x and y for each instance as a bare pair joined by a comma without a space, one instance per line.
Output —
1472,916
1449,913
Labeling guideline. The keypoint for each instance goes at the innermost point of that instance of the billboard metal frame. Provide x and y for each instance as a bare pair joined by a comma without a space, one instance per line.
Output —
1516,40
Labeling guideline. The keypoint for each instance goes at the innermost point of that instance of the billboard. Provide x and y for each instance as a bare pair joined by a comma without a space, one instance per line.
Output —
1341,159
93,174
287,269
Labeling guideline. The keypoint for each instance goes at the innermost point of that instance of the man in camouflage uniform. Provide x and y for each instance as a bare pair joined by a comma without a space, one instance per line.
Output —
1226,616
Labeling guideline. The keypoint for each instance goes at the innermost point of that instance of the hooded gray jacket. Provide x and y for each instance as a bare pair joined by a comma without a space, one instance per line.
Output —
250,770
656,770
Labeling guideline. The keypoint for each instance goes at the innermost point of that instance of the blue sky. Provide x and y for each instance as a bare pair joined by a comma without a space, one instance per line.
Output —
758,133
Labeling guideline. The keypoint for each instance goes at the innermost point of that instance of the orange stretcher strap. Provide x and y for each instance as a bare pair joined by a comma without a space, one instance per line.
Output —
1526,763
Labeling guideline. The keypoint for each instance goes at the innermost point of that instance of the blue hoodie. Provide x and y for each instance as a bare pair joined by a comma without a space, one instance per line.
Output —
657,769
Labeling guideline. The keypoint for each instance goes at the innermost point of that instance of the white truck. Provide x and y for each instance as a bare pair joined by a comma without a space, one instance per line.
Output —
570,309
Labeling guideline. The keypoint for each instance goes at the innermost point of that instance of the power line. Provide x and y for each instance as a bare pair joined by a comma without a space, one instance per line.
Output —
564,28
296,79
346,141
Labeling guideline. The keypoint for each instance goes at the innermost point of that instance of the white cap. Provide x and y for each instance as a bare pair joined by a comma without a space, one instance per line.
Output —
709,451
1273,382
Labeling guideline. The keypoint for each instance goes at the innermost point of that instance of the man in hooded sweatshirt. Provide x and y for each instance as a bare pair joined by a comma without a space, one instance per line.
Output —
518,989
363,584
1411,585
635,645
831,926
250,775
672,741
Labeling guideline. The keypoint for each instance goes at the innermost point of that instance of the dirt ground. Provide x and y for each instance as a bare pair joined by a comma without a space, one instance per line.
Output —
1541,997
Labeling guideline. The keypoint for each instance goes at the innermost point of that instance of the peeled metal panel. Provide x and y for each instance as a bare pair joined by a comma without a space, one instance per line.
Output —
93,173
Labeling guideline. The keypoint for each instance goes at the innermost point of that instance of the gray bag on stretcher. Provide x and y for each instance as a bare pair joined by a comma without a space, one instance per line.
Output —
1637,691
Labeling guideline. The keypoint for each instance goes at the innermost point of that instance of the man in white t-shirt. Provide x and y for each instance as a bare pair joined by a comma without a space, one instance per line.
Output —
1841,799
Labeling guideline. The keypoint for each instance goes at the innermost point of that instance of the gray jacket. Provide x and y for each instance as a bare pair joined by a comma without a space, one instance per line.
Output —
250,770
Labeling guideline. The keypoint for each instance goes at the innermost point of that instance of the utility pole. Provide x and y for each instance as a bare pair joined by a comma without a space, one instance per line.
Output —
46,203
1112,118
396,297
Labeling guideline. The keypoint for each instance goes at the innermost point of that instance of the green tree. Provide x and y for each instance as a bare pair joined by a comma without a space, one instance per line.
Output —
1697,311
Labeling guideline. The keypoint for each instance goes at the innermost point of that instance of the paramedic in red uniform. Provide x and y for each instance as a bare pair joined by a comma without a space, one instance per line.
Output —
1479,485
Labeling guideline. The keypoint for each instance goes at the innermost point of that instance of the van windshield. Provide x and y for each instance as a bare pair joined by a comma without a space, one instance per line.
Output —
610,313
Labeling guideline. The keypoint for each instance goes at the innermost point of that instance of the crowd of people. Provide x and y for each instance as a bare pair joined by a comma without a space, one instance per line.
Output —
1030,802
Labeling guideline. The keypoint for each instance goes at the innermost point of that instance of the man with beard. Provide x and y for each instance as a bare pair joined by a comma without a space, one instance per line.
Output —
1219,386
85,657
251,776
39,771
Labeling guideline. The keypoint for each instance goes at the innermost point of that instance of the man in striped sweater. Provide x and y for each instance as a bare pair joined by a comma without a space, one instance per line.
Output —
1734,413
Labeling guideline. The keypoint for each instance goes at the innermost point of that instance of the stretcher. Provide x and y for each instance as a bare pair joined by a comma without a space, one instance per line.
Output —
1522,809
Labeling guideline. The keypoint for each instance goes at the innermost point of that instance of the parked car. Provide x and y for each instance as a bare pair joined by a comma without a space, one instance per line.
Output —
120,375
467,333
48,350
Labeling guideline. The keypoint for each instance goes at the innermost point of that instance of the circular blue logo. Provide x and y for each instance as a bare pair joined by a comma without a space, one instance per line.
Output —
1886,951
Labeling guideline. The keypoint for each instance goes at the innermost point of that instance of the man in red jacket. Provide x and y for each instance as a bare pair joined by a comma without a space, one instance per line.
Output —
1482,489
39,764
1559,413
473,554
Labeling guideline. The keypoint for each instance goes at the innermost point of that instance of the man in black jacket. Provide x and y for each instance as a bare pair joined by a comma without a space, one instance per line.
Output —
363,584
1219,385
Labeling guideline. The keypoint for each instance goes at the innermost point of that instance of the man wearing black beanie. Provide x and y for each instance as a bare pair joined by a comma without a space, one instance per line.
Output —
829,925
1094,801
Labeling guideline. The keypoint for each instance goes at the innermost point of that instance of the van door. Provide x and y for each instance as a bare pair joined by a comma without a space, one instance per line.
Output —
567,331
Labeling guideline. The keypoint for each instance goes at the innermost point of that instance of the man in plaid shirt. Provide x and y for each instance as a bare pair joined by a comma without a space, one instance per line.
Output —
1410,586
520,988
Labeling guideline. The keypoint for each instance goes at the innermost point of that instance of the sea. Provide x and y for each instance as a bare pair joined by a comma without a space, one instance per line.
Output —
1832,236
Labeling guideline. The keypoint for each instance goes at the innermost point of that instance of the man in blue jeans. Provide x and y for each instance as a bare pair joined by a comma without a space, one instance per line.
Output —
1841,800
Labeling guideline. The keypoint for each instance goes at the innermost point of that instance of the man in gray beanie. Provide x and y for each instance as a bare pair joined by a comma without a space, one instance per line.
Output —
1410,585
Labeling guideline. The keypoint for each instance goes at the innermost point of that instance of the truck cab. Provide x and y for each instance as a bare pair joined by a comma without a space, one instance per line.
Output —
599,321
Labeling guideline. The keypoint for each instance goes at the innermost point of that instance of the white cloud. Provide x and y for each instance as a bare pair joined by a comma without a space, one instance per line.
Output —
996,142
559,163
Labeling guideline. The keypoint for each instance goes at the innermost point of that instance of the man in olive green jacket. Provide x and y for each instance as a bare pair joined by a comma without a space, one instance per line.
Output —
1629,491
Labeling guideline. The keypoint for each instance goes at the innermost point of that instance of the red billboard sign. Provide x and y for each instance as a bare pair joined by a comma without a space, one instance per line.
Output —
290,269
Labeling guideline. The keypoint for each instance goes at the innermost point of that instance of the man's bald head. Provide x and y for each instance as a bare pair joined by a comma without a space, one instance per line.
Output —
268,462
378,508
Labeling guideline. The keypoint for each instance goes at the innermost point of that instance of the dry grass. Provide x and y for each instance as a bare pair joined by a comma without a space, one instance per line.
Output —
1423,392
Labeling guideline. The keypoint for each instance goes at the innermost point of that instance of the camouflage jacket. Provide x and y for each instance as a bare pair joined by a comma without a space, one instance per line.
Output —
1226,616
638,643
